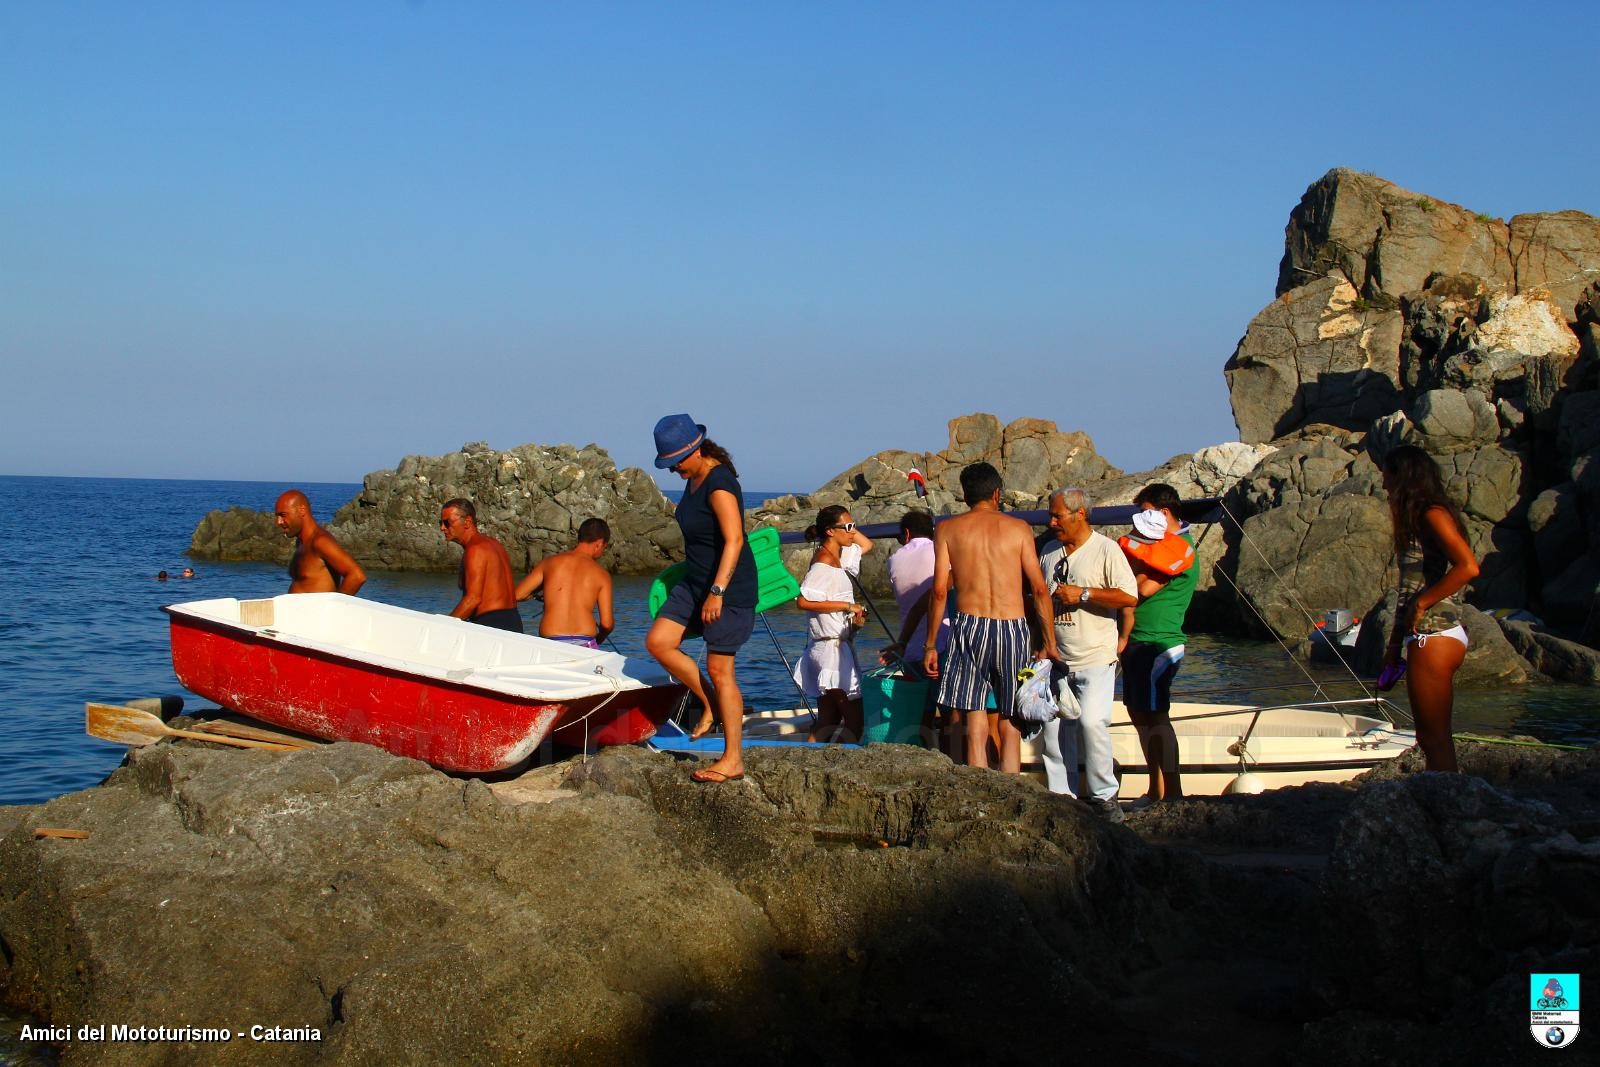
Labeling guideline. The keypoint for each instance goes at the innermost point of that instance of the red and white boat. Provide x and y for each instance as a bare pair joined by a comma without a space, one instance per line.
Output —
459,696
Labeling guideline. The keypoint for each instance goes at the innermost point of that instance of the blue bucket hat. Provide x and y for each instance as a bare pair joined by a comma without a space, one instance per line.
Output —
676,437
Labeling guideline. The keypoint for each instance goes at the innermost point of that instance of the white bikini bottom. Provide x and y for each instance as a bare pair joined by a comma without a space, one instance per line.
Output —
1457,632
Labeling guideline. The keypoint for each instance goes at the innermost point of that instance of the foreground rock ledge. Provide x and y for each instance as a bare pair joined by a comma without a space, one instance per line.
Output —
860,905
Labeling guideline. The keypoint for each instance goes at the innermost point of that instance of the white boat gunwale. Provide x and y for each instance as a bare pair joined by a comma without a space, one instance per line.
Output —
589,678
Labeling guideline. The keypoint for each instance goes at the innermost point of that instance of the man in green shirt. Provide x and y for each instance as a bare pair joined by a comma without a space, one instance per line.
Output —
1155,647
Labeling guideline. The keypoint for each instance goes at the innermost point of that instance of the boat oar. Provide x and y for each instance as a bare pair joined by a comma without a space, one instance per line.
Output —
130,726
254,733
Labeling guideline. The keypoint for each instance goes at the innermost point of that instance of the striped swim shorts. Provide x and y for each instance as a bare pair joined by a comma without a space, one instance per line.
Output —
984,654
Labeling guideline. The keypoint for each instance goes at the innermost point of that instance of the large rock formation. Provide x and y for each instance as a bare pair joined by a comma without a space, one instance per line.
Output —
532,498
1403,319
407,916
841,904
1388,241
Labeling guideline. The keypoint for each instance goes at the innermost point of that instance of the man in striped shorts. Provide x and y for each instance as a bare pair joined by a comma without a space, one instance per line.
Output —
988,557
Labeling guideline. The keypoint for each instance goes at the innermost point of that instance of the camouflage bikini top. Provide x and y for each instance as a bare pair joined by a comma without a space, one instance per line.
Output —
1423,563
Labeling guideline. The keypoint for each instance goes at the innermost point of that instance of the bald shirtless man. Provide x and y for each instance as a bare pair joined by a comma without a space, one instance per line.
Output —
486,581
320,564
987,556
575,586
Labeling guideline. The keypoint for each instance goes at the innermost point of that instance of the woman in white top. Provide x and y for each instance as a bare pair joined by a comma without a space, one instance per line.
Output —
827,672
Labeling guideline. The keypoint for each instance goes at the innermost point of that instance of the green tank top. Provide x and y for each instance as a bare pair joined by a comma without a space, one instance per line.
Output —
1159,620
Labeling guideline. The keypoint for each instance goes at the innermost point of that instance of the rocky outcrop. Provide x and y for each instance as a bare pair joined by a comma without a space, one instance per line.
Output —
1565,661
1387,241
531,498
240,534
1449,877
1319,354
1403,319
836,904
1034,459
634,916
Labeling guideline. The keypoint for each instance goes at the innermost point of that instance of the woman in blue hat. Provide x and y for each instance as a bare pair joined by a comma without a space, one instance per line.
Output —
718,591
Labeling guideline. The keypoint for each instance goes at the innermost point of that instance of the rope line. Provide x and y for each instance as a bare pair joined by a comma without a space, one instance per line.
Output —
1244,538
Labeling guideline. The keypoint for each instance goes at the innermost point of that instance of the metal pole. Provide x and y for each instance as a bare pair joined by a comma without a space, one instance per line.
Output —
863,591
683,701
790,670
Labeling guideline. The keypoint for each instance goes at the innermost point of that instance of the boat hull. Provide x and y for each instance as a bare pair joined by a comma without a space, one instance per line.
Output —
1282,746
453,726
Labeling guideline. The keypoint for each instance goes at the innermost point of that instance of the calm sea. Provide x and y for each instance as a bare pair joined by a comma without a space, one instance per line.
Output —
80,620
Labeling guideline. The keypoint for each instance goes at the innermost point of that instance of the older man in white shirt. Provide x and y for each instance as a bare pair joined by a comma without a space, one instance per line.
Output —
1091,585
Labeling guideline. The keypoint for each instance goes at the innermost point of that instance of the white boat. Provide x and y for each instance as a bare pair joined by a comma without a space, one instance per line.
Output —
1285,744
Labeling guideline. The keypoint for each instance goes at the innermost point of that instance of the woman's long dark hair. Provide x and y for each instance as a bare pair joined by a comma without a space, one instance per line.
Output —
1415,485
826,518
711,450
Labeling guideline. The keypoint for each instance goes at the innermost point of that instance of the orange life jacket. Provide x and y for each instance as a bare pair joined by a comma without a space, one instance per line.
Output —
1171,555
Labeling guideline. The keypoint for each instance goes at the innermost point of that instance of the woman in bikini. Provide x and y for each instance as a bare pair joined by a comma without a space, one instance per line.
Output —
827,671
1435,563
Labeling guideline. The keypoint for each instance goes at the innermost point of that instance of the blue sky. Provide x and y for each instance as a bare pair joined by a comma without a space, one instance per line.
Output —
296,241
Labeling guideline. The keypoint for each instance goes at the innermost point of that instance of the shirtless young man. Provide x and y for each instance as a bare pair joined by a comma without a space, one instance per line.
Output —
486,581
987,556
320,564
574,586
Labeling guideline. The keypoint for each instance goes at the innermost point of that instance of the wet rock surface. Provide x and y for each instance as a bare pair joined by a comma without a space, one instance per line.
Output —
839,903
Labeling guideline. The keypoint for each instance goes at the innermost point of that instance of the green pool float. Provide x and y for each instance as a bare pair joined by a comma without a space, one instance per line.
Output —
774,584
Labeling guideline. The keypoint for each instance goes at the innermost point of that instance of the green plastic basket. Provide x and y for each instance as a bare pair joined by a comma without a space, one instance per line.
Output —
892,706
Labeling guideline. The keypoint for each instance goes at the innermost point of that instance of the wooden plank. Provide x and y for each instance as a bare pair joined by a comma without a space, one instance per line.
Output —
256,612
61,833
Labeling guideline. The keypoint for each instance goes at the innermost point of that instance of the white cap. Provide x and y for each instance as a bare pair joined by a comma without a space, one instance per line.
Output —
1150,525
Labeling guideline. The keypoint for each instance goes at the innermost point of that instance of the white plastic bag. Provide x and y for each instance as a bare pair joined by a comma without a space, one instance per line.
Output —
1067,701
1035,701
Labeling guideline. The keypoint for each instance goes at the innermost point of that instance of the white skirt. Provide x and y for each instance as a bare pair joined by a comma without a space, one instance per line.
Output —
828,665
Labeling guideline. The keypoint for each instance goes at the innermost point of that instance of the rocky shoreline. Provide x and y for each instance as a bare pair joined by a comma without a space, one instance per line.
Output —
859,905
1398,318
